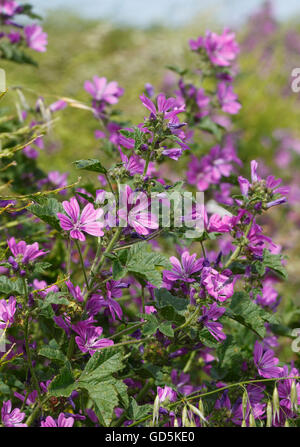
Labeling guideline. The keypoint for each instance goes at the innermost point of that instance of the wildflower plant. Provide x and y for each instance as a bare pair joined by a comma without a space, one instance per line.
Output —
111,317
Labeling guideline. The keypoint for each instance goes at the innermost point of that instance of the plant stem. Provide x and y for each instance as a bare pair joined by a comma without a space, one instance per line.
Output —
127,330
198,396
189,362
110,246
189,320
147,162
82,263
29,360
143,299
203,249
71,347
35,412
238,249
92,272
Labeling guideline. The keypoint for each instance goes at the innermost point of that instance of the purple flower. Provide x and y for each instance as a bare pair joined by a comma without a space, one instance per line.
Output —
284,390
31,399
11,418
7,312
270,184
8,7
62,421
58,105
133,164
76,223
208,319
228,99
75,291
36,38
24,253
221,49
212,167
218,285
14,36
89,338
265,362
166,107
166,393
134,212
101,90
269,295
184,270
96,302
58,179
149,89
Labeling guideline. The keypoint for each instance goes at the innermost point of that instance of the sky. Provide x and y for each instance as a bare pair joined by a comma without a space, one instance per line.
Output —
144,13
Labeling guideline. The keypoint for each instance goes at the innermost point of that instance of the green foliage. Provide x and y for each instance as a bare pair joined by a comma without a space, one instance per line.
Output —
90,165
249,314
143,263
46,209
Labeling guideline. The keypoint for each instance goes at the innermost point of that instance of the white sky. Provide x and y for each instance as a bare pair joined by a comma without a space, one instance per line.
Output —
174,12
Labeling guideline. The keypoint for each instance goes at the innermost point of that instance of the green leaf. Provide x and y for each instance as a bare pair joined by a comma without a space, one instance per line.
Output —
137,412
118,271
177,70
165,299
11,52
249,314
54,298
41,267
166,329
230,360
207,339
105,398
152,324
47,211
274,262
90,165
138,138
145,263
10,287
101,365
53,352
64,383
122,392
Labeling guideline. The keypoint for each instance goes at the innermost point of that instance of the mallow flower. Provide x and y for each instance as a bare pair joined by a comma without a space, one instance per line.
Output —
209,319
228,99
134,211
270,187
22,252
62,421
36,38
89,338
11,418
218,285
7,312
265,362
166,394
101,90
185,269
221,49
8,7
88,221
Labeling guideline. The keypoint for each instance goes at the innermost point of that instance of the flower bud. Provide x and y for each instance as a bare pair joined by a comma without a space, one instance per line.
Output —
269,414
294,396
276,404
